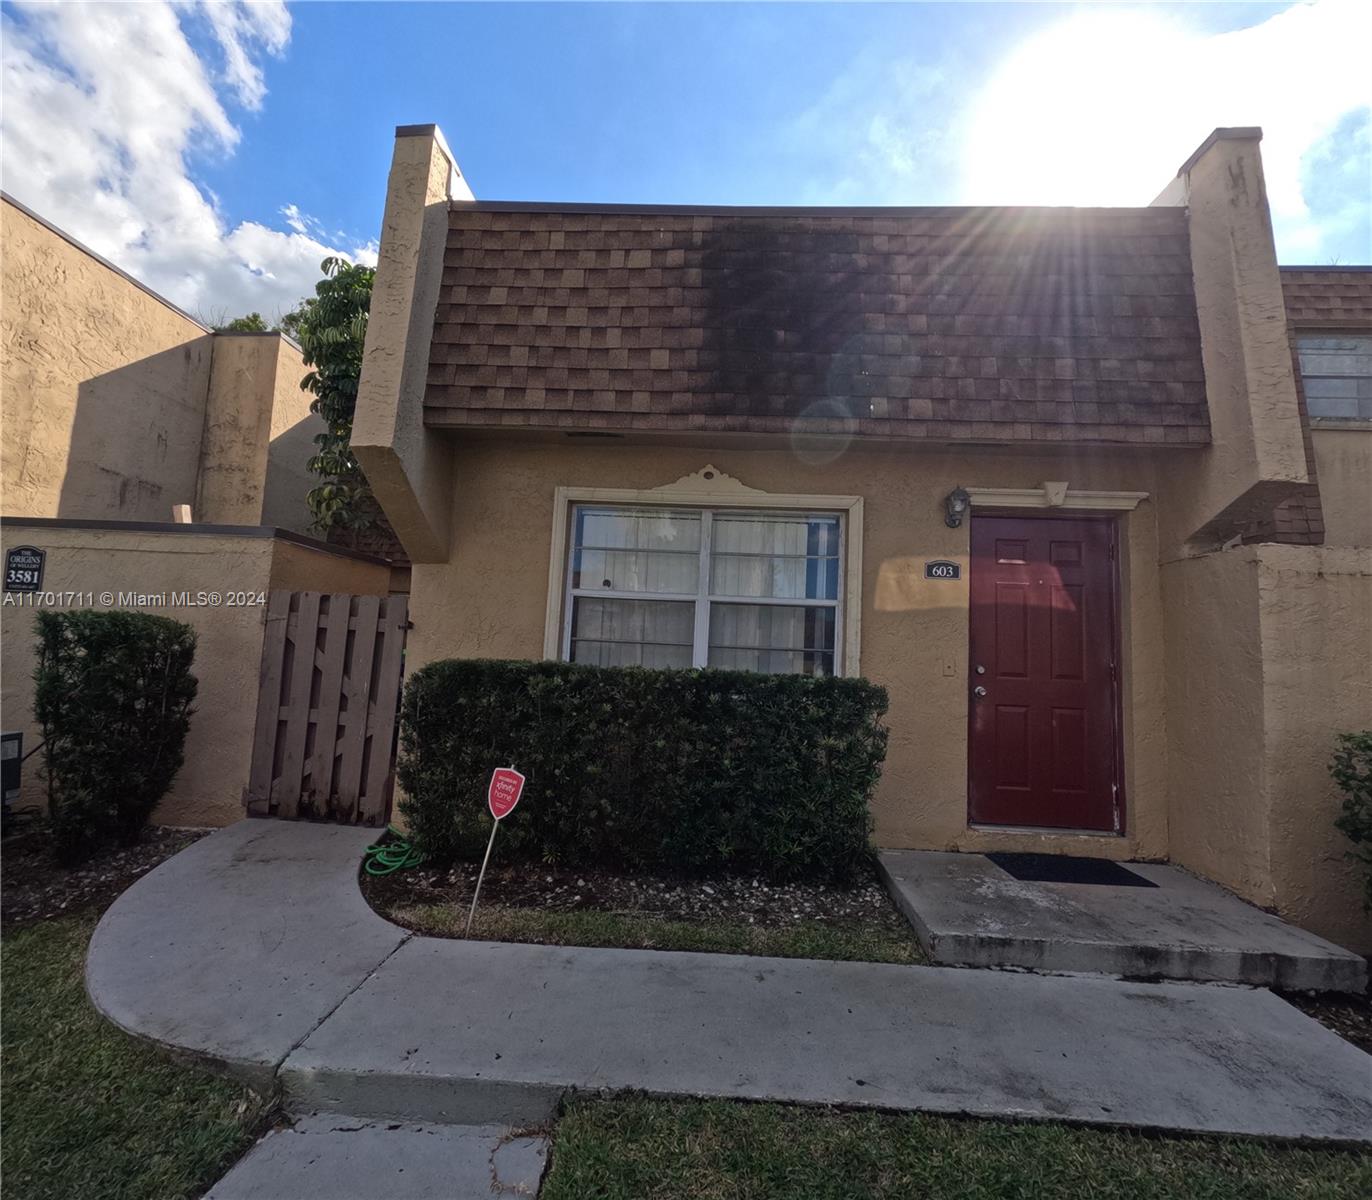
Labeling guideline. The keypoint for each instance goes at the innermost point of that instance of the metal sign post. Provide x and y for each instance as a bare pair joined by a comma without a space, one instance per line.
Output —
502,794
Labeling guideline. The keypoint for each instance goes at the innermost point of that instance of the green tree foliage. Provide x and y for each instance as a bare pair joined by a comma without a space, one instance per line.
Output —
693,772
1351,769
252,323
113,697
331,328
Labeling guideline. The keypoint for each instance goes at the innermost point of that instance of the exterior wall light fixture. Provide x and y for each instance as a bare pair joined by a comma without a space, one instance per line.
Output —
955,506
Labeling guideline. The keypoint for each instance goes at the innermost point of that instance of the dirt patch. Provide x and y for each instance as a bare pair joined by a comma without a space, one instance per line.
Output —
1348,1016
738,901
33,887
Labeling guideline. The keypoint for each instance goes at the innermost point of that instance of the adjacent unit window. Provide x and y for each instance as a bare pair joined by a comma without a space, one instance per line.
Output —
1336,371
675,587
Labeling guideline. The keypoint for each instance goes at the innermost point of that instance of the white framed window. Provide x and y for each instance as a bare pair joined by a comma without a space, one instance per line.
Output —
684,586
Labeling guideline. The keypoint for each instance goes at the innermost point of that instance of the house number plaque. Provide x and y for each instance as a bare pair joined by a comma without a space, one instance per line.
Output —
942,568
24,569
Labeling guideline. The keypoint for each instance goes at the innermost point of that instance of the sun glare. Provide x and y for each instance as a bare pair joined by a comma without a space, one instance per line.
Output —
1059,122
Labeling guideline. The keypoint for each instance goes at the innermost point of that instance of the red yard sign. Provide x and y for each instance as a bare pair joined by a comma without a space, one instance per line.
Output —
507,785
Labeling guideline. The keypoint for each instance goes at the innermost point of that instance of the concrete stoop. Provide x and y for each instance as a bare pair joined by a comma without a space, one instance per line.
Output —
326,1156
968,912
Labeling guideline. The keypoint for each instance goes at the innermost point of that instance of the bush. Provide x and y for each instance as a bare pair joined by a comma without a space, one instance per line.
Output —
1351,768
114,693
689,772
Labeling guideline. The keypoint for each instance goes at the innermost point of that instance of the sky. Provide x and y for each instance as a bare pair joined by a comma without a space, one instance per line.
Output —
219,151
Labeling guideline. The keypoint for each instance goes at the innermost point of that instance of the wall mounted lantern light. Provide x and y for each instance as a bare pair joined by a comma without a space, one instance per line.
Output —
955,506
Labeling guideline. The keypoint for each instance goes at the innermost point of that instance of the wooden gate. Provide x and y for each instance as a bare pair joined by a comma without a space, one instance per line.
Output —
329,692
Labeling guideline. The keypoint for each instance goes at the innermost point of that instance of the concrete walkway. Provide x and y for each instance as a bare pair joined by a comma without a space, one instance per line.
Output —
325,1157
968,912
255,948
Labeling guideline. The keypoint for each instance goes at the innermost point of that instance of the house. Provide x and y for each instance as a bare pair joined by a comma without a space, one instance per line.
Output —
149,461
1052,476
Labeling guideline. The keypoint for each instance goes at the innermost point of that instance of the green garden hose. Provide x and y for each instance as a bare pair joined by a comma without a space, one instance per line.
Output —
394,854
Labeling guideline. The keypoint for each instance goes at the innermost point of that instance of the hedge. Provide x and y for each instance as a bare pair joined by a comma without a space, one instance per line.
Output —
1351,769
113,697
695,772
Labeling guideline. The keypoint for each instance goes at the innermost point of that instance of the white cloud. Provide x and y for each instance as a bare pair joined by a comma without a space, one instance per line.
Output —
1103,108
103,104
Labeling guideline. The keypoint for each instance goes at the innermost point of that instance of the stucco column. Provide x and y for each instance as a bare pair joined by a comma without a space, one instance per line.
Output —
1256,458
408,467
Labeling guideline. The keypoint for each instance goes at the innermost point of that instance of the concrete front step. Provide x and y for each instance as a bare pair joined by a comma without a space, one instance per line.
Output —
335,1157
445,1030
968,912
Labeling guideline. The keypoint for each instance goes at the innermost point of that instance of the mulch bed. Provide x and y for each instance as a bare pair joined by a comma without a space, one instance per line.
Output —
738,901
33,887
1348,1016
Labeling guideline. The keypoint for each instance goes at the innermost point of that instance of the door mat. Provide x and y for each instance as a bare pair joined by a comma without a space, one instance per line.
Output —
1059,868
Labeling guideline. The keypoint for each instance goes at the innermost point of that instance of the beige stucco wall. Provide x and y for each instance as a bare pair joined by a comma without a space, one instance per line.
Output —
1218,818
1343,462
117,406
208,789
409,471
1267,659
293,430
103,385
489,600
1256,457
297,568
1316,606
233,466
258,435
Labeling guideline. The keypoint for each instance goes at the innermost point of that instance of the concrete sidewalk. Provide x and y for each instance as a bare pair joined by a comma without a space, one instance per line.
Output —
325,1157
255,948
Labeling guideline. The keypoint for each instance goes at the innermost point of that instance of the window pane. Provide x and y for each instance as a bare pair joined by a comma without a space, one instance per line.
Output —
632,633
630,550
1336,370
783,556
774,638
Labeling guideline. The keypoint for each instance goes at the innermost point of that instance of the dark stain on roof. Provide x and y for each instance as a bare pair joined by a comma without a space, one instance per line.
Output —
1005,324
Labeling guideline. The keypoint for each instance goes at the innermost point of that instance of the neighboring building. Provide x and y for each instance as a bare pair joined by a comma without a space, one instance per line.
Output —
740,437
119,406
120,409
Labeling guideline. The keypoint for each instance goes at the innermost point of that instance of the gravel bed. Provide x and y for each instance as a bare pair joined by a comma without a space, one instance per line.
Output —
1348,1016
33,887
734,900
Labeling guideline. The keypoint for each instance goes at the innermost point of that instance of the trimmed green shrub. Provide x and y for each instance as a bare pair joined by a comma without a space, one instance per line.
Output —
683,772
114,693
1351,768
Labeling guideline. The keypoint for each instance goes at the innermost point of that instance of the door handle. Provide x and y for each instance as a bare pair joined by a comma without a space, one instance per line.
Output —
978,692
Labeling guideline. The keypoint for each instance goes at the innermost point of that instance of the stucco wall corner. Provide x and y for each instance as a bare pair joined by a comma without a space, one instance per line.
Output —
1256,458
407,466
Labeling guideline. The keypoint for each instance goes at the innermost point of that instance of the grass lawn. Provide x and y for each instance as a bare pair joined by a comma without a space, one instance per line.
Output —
88,1111
638,1149
634,931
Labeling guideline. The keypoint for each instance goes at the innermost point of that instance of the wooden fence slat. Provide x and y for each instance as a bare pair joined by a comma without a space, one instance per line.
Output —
357,682
257,797
384,707
325,717
287,791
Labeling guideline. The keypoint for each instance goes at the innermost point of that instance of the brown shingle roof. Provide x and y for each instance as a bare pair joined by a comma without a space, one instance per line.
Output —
1020,324
1328,297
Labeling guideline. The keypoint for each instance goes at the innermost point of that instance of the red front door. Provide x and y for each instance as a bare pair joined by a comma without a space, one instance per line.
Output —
1043,744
